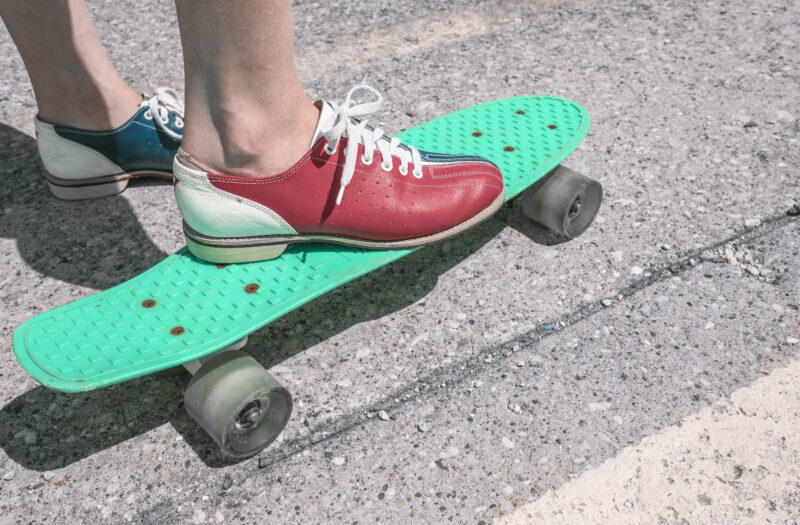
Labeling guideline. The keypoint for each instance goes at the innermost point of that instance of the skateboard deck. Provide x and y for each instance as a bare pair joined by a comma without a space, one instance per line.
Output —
183,308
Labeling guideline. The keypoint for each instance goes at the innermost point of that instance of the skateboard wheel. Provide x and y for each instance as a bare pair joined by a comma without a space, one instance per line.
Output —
564,201
238,403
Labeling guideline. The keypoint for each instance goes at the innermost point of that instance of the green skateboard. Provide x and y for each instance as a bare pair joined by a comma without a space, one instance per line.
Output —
184,311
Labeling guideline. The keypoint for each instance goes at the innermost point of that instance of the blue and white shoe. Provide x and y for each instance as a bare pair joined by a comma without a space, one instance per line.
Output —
82,164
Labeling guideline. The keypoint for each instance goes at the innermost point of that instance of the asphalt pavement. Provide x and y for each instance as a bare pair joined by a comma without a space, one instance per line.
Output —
645,372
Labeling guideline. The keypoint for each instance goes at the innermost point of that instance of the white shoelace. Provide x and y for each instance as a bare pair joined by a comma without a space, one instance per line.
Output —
357,132
160,105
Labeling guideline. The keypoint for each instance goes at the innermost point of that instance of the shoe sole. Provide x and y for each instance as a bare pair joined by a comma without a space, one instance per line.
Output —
80,189
261,248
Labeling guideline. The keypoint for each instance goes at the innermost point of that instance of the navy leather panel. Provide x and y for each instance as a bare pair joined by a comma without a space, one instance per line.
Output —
428,156
136,145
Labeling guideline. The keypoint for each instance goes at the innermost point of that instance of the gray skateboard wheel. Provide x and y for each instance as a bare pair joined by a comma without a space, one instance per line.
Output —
238,403
564,201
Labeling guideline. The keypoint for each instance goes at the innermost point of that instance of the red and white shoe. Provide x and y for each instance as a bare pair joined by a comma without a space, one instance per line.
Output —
354,186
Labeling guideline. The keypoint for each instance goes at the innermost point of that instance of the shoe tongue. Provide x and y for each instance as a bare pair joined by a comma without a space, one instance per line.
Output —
326,118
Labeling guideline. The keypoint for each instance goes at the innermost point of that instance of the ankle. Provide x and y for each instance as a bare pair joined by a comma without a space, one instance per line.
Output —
93,108
252,143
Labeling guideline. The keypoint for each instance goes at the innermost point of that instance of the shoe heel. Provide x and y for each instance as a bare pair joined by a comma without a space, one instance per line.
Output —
234,254
74,190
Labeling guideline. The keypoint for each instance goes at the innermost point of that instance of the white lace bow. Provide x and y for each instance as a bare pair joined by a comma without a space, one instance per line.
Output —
348,124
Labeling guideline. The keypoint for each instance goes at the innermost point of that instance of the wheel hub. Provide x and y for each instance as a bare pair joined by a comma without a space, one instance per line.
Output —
575,209
250,415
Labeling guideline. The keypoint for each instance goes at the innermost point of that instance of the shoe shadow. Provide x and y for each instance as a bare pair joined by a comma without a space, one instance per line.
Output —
45,430
93,243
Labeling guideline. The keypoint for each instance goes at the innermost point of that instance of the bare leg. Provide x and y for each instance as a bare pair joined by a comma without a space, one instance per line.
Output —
246,112
73,80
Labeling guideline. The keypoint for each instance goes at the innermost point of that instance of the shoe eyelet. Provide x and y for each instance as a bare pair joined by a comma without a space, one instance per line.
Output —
403,170
148,115
417,174
328,151
164,120
367,162
178,123
384,167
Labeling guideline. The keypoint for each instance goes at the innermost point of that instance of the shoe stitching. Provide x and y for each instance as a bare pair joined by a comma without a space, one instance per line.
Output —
235,198
122,127
455,229
278,178
432,170
233,179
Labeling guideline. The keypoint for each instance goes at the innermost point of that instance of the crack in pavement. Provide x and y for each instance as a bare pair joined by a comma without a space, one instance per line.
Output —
450,376
445,377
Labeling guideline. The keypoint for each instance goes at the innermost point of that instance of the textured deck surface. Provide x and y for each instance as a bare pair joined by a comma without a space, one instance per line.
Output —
184,308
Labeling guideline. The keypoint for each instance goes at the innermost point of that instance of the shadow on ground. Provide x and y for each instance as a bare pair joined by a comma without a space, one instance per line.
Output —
44,430
92,243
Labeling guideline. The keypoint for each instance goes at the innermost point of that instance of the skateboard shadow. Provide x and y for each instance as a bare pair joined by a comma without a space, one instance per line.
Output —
94,243
383,291
44,430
